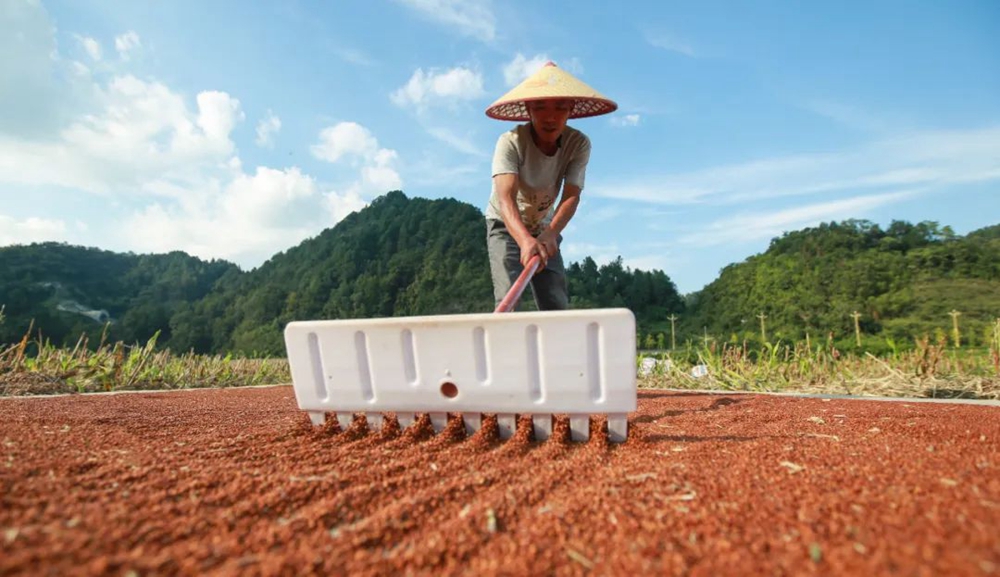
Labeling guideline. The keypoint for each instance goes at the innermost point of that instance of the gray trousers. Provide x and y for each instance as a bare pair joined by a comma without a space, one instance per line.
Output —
548,285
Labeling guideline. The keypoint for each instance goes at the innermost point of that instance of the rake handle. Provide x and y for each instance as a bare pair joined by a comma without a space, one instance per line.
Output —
514,294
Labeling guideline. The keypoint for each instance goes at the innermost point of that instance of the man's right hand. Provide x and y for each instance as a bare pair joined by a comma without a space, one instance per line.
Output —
529,248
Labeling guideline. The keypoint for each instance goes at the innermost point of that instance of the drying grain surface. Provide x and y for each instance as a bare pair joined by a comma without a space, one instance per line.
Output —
236,481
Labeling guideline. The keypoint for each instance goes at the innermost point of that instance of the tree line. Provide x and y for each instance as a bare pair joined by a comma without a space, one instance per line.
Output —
405,256
397,257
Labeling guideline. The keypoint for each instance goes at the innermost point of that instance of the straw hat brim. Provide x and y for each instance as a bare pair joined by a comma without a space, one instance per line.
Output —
551,83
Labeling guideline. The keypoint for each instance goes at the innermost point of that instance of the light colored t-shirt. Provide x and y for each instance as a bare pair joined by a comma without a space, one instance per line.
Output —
540,176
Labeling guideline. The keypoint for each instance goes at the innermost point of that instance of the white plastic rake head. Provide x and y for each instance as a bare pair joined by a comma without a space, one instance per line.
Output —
579,363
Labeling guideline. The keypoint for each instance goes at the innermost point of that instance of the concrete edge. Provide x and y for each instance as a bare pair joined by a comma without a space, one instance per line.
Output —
981,402
141,391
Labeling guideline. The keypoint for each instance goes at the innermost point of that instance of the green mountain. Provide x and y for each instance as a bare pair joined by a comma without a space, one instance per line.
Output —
404,257
66,291
397,257
903,281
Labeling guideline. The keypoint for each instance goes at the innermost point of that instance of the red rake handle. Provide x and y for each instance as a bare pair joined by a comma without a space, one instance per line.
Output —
514,294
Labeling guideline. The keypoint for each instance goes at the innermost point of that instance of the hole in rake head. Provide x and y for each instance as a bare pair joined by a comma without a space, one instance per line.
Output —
449,389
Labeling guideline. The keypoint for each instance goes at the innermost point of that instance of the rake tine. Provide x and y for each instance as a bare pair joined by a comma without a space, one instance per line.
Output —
439,421
507,424
542,426
579,428
344,420
473,421
318,418
617,427
405,419
374,421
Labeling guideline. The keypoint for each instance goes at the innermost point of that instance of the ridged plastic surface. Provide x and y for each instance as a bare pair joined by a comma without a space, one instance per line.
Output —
539,363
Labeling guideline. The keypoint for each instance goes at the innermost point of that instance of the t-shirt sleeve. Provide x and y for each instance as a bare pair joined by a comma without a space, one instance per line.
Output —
505,160
576,170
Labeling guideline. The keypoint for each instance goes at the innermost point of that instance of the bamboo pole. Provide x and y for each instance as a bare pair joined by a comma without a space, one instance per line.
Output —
857,327
956,334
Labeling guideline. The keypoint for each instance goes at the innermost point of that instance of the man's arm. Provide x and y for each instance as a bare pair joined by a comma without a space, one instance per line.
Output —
507,185
564,212
566,209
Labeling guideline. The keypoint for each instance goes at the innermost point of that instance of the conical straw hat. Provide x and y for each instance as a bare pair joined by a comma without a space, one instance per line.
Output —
550,82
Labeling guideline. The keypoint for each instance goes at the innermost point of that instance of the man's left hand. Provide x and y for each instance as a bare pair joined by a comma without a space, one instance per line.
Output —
550,240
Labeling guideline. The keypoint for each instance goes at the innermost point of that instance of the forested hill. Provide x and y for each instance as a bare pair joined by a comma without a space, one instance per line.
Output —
66,291
397,257
903,281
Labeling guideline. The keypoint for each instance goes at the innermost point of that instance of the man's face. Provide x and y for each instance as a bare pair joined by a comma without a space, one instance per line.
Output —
549,117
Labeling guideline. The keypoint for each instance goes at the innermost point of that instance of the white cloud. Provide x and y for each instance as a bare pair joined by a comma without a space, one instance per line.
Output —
218,114
266,129
164,163
246,219
345,139
379,176
745,227
427,88
126,43
93,47
29,230
460,143
522,67
625,120
928,159
350,141
143,130
341,205
261,198
470,17
670,42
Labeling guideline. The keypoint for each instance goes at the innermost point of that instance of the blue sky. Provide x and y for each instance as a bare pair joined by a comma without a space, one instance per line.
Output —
237,129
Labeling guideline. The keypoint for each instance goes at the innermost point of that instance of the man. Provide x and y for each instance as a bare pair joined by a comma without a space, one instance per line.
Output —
530,165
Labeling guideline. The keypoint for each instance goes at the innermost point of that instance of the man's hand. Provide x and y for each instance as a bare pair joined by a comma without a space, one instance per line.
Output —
529,248
550,240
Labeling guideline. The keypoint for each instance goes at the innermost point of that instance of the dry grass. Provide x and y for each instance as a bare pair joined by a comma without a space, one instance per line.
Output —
37,367
931,369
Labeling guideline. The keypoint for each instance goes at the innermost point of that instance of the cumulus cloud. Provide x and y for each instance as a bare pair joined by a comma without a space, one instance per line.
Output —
29,230
350,142
143,130
164,162
522,67
433,87
91,46
345,139
127,43
266,129
473,18
245,220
